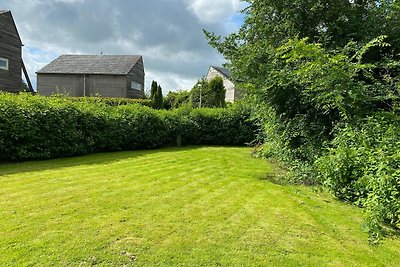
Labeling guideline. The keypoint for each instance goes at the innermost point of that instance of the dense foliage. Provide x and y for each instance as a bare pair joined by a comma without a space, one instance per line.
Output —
318,72
158,100
209,94
156,95
35,127
363,166
204,94
217,126
176,99
153,89
111,101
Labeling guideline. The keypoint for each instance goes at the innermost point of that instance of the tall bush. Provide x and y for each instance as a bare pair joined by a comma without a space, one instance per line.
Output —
158,98
363,166
153,89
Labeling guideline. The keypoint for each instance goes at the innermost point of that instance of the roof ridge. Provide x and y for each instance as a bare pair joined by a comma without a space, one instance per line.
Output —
224,71
91,64
87,55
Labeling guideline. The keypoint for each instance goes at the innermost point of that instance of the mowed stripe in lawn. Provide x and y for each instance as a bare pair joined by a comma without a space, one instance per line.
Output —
176,206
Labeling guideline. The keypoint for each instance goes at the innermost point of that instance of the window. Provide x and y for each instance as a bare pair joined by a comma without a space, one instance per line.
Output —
3,64
136,86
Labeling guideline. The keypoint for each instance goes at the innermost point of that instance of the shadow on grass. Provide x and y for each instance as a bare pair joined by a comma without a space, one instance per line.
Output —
89,159
391,232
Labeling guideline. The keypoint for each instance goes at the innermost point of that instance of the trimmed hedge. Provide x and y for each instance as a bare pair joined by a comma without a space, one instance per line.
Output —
37,127
220,126
111,101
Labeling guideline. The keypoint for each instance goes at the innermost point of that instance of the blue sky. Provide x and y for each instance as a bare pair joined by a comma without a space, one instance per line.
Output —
167,33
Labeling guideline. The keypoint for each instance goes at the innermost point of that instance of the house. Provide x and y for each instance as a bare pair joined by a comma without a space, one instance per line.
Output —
232,93
11,62
93,75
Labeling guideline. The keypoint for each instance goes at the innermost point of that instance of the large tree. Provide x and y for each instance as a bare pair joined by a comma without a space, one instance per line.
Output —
270,23
311,62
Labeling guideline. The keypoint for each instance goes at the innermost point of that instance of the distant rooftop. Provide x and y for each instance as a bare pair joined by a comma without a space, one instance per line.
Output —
223,71
91,64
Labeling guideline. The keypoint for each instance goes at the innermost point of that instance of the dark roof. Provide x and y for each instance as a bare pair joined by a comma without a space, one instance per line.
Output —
223,71
91,64
3,11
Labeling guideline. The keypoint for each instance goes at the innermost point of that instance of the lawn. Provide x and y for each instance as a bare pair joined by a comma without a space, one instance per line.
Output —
194,206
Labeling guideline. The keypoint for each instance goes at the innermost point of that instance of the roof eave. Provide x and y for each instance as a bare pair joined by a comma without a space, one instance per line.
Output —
68,73
220,72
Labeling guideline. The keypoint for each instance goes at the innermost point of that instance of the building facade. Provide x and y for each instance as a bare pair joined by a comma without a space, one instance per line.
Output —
93,75
232,93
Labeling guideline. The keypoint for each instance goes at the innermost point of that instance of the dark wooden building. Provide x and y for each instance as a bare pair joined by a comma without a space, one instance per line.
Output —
93,75
11,62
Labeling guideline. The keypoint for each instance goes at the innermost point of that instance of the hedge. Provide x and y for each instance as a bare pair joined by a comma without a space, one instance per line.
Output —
37,127
111,101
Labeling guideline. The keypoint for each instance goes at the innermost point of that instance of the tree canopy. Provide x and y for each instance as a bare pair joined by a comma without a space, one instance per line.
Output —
314,62
317,72
209,94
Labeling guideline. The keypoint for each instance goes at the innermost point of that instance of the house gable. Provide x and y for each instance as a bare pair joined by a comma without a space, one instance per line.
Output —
10,54
135,80
231,94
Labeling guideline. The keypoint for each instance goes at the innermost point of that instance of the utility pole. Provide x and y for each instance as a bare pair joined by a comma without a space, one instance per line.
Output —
200,96
84,84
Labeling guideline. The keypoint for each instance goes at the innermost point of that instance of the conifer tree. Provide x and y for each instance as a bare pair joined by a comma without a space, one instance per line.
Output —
153,91
158,98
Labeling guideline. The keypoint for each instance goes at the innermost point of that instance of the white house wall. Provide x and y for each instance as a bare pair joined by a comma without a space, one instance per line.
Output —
229,86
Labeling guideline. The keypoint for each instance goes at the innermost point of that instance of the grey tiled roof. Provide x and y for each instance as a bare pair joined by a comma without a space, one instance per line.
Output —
223,71
91,64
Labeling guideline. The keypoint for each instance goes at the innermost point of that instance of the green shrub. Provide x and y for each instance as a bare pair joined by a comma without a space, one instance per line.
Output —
139,127
31,125
112,101
175,100
363,167
218,126
36,127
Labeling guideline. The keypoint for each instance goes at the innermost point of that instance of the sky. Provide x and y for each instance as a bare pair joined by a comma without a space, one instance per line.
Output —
167,33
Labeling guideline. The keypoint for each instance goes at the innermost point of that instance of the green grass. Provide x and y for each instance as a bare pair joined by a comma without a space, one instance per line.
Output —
196,206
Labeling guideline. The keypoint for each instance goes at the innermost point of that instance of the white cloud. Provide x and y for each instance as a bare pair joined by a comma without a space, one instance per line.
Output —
213,11
70,1
175,81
